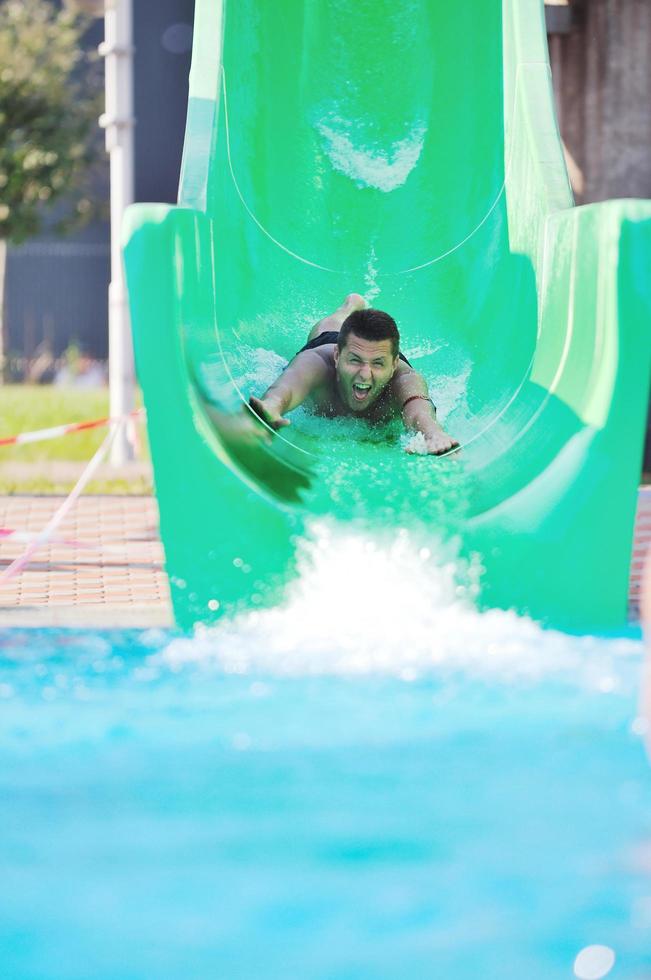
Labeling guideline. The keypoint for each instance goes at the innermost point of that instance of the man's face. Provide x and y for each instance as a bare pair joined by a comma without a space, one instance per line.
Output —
364,368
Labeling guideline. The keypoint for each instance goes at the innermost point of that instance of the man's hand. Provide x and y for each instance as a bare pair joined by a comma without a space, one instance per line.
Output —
419,415
269,410
242,429
436,442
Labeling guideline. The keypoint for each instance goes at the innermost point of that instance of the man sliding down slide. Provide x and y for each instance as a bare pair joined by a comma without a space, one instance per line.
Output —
351,365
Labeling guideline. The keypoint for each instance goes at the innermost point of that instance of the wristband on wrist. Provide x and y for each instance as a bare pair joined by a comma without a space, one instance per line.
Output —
413,398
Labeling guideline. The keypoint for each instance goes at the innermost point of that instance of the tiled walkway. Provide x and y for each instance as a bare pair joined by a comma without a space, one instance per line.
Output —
641,545
105,566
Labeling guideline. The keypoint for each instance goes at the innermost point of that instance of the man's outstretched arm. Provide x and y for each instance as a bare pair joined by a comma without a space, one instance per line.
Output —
418,412
304,374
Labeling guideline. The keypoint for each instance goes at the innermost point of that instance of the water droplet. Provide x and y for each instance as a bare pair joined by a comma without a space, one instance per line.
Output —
594,962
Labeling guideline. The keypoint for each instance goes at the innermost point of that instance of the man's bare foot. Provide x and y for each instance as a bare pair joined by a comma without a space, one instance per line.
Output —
352,302
333,322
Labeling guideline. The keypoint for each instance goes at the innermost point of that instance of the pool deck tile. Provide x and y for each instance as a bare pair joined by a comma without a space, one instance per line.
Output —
104,566
641,548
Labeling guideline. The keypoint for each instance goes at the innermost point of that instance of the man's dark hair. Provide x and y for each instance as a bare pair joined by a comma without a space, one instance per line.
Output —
370,325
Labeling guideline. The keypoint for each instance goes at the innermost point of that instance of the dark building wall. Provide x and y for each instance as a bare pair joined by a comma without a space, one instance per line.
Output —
163,40
57,288
601,71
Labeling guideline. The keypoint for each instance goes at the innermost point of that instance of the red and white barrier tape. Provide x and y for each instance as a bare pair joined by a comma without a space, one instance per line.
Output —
44,536
40,435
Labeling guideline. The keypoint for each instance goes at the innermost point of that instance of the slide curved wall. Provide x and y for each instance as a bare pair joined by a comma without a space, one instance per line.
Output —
409,151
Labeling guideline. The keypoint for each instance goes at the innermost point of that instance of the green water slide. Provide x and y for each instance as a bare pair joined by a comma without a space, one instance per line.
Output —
407,150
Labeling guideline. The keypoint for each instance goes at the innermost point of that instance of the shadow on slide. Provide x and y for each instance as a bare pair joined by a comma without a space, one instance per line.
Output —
408,150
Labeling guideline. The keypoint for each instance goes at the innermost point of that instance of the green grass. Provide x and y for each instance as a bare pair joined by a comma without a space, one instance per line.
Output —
26,408
42,484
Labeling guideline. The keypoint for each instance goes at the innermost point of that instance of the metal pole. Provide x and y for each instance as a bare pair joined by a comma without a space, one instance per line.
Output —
118,122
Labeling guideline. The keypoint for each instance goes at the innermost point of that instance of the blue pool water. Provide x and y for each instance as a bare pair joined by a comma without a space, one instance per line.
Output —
325,791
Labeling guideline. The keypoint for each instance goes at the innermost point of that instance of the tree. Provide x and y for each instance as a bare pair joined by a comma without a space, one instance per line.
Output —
49,102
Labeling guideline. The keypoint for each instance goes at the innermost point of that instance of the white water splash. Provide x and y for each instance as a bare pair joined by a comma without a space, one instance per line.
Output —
362,607
383,169
424,347
249,370
416,444
370,279
262,368
450,395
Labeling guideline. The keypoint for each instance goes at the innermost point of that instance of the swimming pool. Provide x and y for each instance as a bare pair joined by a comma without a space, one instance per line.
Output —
326,790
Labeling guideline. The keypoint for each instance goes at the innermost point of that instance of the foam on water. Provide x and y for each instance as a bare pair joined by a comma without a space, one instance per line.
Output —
370,166
416,444
451,393
362,606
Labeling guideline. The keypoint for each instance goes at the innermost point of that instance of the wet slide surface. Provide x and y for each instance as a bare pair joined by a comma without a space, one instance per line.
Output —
407,151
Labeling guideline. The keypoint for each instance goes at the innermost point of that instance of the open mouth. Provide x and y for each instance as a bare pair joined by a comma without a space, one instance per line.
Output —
361,392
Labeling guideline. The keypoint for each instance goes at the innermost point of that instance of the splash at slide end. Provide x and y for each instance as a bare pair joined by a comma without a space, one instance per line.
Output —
406,149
